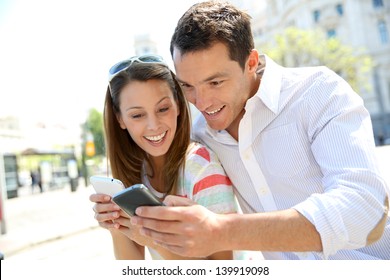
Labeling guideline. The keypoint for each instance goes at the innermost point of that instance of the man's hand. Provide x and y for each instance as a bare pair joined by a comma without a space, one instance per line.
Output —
131,231
185,229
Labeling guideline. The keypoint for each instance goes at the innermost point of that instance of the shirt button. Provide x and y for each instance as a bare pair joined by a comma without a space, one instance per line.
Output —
263,191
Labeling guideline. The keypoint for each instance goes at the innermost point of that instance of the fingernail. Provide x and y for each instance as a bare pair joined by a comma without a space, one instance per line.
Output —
138,211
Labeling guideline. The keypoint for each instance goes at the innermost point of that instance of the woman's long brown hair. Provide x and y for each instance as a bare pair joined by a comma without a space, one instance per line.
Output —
126,158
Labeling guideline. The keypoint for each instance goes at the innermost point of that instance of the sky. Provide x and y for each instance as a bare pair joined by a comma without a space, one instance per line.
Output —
54,55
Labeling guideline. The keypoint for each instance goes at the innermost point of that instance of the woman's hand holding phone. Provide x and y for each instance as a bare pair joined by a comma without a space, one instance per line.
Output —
106,211
111,216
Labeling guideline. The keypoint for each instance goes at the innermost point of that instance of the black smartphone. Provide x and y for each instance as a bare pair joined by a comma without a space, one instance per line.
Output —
136,195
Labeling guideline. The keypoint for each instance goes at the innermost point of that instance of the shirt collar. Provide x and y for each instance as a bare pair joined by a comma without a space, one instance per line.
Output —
222,136
271,83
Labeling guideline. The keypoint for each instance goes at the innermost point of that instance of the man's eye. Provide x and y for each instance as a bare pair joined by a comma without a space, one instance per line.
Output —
184,85
216,83
162,110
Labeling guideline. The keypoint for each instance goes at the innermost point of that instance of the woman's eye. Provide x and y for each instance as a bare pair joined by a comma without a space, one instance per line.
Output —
162,110
137,116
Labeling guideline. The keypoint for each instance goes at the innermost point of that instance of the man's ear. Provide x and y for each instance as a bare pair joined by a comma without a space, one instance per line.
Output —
253,61
120,121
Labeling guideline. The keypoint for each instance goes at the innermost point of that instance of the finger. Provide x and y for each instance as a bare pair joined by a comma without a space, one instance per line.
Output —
124,214
99,198
108,225
124,222
174,200
105,207
168,227
161,212
104,217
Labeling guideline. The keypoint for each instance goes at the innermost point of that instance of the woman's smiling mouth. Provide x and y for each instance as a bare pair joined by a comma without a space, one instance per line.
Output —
157,138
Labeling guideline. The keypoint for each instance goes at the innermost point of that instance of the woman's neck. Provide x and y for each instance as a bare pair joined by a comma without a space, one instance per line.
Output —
155,173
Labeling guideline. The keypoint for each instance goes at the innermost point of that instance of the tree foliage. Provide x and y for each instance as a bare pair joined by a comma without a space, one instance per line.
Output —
296,47
94,125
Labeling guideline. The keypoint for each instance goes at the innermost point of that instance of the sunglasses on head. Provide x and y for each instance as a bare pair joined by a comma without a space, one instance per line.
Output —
125,64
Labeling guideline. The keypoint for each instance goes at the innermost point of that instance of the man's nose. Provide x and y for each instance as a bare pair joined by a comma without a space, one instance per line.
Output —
202,101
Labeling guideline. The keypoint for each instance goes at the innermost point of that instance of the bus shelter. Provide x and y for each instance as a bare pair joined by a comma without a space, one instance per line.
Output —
55,168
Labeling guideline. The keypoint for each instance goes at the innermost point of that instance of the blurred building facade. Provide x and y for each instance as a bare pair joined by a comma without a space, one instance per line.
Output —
16,136
11,137
144,44
40,147
360,24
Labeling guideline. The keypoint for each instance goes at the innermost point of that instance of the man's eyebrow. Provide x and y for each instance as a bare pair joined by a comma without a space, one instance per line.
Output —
215,76
180,81
208,79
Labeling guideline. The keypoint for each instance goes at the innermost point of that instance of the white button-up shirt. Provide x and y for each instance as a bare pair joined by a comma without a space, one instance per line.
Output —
306,142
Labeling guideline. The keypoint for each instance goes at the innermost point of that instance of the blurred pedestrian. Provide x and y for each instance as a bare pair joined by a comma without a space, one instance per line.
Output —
36,180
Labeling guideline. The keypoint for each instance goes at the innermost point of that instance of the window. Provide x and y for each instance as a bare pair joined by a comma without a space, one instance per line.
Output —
383,32
340,9
377,3
331,33
316,15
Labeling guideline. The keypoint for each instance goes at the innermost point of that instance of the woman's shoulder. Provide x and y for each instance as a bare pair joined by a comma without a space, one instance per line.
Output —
197,149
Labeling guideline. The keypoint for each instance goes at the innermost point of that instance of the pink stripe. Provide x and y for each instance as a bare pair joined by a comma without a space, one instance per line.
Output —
203,153
211,181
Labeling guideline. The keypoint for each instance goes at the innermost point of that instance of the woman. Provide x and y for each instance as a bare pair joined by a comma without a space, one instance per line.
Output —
147,127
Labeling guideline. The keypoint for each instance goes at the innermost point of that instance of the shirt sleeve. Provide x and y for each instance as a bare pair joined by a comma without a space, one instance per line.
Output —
353,204
206,182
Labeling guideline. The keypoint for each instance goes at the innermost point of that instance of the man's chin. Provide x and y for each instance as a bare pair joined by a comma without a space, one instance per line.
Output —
216,126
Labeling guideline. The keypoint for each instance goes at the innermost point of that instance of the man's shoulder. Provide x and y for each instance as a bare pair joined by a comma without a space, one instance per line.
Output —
199,125
199,120
309,72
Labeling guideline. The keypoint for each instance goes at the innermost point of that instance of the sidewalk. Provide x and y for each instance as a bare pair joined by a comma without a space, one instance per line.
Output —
34,219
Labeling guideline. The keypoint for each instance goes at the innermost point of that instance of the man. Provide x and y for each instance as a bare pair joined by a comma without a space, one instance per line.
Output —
296,143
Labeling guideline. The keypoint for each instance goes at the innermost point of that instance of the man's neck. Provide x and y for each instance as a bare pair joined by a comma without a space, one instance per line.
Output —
233,128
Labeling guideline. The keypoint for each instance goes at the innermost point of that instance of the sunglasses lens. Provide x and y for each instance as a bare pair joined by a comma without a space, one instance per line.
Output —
150,58
119,66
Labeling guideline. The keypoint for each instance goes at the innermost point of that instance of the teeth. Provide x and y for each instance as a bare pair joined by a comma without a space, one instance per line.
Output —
215,111
156,138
